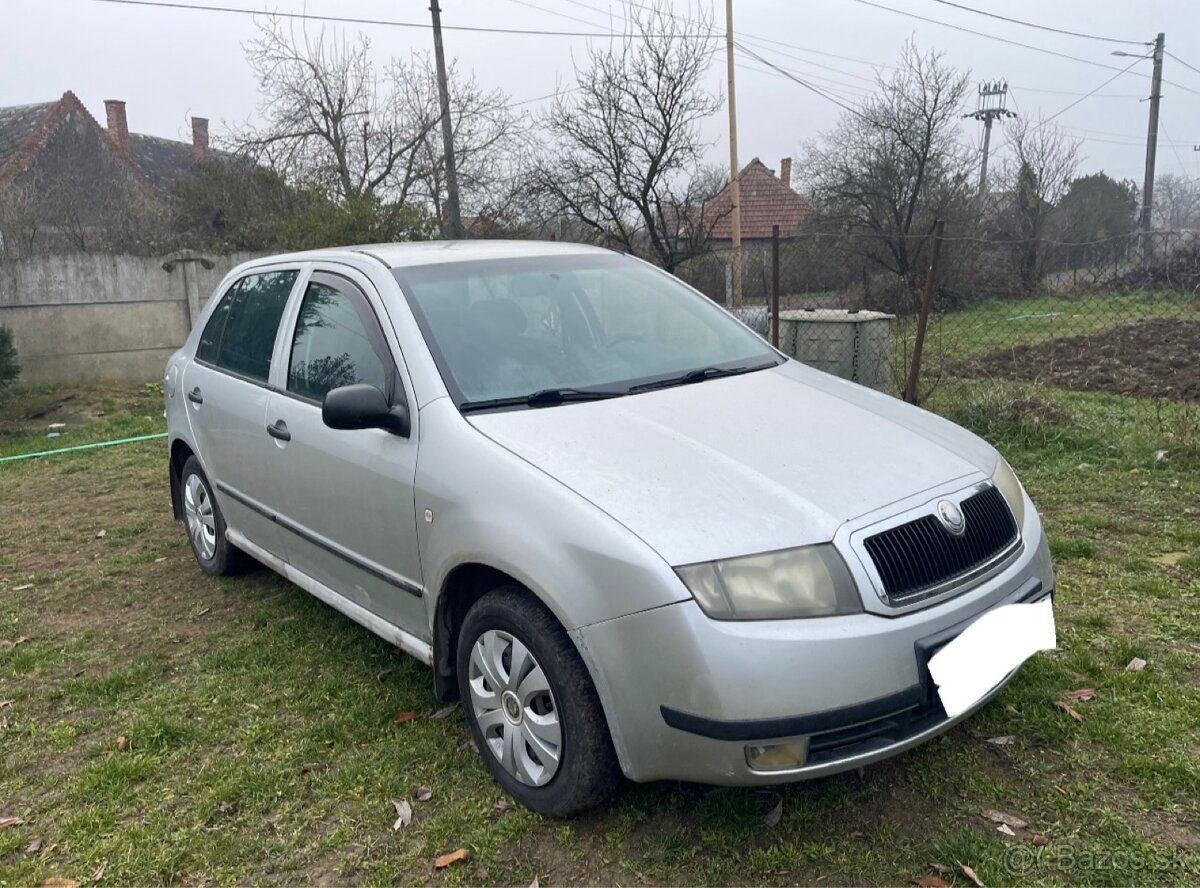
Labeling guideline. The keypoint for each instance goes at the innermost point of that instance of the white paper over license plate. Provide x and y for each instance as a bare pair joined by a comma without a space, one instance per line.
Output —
987,650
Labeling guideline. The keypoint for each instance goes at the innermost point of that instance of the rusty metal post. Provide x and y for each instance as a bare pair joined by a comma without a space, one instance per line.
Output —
775,286
914,372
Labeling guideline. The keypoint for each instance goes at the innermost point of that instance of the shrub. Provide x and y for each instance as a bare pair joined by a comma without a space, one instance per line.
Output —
10,369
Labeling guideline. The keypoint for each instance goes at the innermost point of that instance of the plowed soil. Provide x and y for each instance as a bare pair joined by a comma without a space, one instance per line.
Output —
1151,359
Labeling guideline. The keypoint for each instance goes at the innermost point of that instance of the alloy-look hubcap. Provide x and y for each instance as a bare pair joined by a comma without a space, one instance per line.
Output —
201,523
514,708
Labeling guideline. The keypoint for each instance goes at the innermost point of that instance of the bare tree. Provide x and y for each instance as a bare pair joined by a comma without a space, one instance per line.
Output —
1176,202
1037,177
623,149
491,150
331,119
893,163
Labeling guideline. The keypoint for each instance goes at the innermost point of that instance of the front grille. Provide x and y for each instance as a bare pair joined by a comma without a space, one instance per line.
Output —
915,557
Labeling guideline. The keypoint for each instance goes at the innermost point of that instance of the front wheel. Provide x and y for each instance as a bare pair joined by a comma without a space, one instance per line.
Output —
531,706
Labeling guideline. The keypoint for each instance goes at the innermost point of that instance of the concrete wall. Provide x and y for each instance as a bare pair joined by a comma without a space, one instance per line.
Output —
104,317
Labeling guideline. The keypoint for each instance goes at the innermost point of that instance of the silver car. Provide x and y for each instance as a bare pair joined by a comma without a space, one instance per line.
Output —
629,535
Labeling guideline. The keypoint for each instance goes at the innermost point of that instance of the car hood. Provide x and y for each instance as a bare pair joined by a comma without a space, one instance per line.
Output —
744,464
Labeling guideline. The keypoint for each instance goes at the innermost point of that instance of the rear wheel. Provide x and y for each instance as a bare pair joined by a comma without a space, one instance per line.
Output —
206,525
531,706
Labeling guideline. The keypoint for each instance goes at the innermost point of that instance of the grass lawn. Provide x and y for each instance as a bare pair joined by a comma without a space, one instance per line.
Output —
158,726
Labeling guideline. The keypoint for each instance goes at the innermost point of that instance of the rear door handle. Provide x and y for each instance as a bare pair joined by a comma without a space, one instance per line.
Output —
279,430
194,396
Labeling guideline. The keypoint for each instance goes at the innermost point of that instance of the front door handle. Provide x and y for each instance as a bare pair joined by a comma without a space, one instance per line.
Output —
194,396
279,430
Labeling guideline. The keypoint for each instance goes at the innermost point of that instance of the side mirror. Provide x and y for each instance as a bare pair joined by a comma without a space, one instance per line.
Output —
363,406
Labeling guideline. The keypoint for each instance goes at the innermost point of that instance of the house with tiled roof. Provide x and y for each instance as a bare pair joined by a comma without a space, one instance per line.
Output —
766,200
57,161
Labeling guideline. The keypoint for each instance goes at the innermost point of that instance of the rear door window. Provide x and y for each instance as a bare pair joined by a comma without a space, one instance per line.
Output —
252,310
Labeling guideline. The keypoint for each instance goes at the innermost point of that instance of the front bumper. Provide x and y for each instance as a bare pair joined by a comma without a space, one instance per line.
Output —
685,695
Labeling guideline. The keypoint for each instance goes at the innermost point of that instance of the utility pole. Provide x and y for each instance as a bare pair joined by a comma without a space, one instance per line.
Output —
453,227
989,106
735,196
1152,146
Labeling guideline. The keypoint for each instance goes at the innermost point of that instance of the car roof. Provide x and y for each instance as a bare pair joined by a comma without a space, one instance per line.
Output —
437,252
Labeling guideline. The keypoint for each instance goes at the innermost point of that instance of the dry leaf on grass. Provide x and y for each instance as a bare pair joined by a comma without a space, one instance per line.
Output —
1005,829
22,588
774,815
1068,710
424,793
403,813
309,767
1137,664
403,718
453,857
443,712
1006,740
535,883
101,534
122,743
59,882
1040,841
4,704
34,847
1006,819
6,822
99,873
646,880
932,882
941,868
1082,695
970,874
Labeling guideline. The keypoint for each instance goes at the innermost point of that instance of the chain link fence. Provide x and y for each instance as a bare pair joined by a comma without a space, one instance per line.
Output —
1118,315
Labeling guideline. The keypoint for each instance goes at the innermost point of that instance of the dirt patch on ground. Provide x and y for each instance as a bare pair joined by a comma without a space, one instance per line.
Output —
1151,359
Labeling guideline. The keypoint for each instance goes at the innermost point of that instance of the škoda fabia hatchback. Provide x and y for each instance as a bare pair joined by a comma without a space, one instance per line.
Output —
631,536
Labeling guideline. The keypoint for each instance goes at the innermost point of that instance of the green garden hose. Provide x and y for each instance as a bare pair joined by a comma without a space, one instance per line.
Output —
82,447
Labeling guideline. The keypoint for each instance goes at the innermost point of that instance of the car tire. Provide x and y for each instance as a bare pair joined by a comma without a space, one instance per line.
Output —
515,715
205,525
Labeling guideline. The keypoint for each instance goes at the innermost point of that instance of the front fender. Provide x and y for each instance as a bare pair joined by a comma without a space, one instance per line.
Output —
488,506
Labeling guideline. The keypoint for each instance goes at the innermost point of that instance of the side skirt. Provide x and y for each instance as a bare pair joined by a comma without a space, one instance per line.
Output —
407,642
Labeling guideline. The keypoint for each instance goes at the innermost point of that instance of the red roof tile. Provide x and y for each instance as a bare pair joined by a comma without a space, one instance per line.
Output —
765,200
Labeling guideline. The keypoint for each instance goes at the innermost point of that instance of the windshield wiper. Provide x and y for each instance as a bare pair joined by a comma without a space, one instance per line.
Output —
699,375
542,398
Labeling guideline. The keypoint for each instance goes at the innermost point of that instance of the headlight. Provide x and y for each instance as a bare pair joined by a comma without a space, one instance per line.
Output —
1006,482
811,581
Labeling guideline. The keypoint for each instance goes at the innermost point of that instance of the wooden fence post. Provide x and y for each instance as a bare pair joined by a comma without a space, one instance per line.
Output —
774,320
914,372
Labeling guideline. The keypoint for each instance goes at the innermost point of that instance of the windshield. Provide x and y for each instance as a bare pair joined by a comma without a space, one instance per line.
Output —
510,328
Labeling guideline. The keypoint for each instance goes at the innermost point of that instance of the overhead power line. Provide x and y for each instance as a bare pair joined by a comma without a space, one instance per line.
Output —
791,76
349,20
933,21
1045,120
1182,62
1061,55
1005,18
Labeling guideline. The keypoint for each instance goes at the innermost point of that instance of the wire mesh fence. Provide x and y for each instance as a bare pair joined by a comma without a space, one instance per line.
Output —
1117,315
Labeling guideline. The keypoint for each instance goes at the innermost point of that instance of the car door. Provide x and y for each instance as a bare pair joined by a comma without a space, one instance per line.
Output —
226,390
346,507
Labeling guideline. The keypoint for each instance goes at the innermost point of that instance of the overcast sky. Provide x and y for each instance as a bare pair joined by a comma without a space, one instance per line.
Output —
168,64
